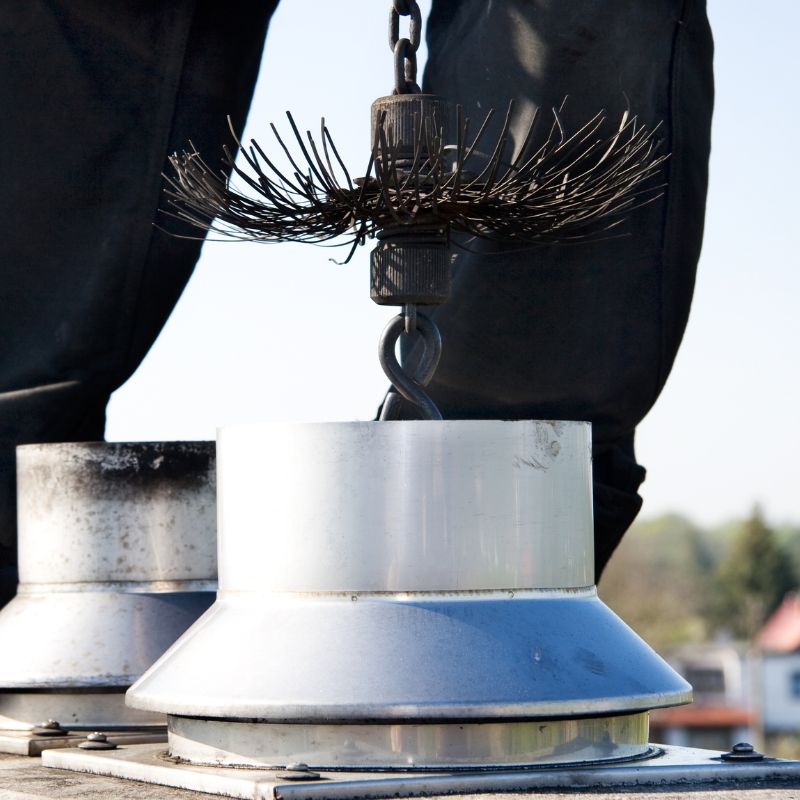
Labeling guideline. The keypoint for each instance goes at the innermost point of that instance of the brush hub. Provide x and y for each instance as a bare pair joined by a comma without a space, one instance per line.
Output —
410,265
411,123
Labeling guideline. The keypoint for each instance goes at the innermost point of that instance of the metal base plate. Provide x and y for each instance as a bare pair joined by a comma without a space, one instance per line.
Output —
26,743
669,766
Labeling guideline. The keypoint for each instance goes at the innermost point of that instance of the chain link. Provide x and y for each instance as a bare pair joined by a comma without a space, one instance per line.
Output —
410,379
405,49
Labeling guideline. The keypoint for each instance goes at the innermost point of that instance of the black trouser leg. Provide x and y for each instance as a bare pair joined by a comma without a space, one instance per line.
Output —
590,331
95,97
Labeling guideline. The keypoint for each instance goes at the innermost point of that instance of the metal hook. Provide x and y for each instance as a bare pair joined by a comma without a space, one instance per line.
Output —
410,380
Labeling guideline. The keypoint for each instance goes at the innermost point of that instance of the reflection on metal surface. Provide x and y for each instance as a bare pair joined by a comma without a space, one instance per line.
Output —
405,506
420,656
68,640
684,768
408,746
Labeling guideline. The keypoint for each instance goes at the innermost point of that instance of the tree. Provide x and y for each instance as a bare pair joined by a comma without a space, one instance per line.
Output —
658,579
752,579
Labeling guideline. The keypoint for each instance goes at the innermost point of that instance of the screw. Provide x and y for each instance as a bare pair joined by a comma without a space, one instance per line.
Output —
297,771
50,727
97,741
742,751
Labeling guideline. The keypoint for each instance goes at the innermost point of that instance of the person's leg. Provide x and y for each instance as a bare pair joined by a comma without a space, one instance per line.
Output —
589,331
95,97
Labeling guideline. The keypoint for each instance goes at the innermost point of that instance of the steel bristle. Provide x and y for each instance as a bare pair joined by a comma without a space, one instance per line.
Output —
564,187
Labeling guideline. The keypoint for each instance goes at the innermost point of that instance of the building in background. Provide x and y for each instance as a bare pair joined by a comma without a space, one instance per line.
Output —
779,645
723,711
742,692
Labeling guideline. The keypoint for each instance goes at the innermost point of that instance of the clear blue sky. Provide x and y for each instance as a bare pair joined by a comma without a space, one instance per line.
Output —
277,332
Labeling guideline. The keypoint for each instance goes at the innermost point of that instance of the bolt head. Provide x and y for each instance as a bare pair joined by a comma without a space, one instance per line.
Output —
742,751
49,727
97,741
297,771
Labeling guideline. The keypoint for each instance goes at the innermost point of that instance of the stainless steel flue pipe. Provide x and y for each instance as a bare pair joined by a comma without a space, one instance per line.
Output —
407,595
117,557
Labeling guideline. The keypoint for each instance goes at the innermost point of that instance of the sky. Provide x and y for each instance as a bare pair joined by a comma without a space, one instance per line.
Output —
269,332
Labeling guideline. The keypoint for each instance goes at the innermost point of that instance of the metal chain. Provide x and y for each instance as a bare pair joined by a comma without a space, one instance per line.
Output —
410,379
405,49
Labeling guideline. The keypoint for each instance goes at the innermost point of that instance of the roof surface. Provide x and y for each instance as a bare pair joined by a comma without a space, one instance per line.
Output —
702,716
781,632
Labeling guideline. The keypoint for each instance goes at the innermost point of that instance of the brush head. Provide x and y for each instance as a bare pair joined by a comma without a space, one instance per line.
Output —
552,186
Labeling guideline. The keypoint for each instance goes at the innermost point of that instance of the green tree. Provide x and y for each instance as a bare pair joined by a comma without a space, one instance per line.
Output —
789,538
658,581
752,579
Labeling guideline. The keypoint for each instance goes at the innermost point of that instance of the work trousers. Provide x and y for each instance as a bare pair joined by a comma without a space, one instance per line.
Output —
96,95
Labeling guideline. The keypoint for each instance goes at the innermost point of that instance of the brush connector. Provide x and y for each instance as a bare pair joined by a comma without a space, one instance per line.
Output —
410,121
409,270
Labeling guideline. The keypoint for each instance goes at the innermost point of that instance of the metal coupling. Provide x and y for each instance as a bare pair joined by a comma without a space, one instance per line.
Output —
411,263
410,267
409,123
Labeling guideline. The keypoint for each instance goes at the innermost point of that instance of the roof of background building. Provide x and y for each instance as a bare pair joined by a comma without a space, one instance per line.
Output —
781,632
696,716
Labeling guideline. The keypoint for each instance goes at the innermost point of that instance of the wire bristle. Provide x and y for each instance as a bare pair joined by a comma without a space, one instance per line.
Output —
564,187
